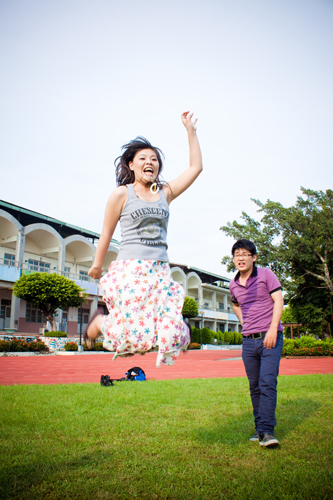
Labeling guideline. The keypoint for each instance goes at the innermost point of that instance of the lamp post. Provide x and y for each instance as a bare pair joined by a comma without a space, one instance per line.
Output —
80,347
202,313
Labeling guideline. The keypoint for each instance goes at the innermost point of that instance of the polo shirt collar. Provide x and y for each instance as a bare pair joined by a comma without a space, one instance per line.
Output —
253,274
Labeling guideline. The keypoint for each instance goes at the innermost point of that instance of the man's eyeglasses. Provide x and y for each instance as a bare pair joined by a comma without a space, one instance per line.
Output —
238,255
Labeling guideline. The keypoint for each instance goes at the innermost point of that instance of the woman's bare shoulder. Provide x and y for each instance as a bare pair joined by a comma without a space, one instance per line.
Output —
119,193
117,198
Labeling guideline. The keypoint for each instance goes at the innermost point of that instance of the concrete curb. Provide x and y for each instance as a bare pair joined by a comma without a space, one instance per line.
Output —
77,353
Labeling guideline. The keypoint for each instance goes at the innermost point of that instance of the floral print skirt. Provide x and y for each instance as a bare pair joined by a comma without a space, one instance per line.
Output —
145,310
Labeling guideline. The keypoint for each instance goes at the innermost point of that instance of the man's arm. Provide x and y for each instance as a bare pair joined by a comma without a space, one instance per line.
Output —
238,312
270,337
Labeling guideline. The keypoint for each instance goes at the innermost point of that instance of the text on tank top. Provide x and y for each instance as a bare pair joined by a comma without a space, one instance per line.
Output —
144,226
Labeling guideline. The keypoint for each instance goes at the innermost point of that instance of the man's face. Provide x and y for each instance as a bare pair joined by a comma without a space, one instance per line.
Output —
244,260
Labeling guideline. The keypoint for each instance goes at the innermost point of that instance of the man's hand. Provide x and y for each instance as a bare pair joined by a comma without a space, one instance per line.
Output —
95,272
270,338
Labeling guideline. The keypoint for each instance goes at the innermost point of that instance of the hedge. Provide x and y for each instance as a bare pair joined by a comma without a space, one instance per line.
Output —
209,336
71,346
97,347
19,345
55,334
194,345
299,347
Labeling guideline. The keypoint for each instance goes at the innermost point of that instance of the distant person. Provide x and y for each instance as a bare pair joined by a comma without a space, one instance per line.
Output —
257,301
144,302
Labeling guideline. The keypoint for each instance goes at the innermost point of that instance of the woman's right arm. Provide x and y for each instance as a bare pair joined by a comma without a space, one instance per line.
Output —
113,210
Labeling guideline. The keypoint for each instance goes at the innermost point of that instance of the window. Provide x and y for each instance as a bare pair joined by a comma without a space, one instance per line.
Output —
196,324
37,265
84,276
65,313
85,316
33,315
67,270
5,308
221,327
221,305
9,259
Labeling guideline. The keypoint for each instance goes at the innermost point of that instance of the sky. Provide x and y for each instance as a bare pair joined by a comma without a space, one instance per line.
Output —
81,78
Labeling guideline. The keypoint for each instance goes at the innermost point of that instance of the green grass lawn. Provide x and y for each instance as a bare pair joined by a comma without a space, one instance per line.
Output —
180,439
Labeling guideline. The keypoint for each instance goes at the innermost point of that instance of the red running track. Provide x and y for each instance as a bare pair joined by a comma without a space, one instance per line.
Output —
89,368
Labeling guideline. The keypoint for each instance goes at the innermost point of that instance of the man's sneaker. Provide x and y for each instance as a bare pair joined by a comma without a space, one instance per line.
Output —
268,440
255,437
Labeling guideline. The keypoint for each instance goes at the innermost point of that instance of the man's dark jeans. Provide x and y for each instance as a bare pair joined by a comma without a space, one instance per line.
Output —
262,369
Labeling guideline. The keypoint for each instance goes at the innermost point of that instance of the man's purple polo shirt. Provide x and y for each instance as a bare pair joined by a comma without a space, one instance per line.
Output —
255,299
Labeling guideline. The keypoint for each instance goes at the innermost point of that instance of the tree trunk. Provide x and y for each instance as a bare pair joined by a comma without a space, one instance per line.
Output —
49,316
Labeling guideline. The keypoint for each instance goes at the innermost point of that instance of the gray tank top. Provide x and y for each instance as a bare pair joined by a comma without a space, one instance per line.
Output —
144,227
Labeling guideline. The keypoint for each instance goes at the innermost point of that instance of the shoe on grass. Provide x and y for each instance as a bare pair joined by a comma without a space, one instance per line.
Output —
106,381
268,440
255,437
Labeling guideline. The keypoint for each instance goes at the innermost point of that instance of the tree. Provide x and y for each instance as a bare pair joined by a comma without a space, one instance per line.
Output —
48,292
297,244
190,308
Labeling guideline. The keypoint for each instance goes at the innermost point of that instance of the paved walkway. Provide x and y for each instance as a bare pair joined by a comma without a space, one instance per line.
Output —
89,368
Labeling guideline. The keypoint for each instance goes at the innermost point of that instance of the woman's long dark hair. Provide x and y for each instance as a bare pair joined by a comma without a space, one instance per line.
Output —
124,175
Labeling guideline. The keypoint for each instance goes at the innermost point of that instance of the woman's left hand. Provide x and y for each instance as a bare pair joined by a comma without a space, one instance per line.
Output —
187,121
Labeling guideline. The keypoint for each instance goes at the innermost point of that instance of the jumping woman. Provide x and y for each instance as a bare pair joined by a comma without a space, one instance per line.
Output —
144,302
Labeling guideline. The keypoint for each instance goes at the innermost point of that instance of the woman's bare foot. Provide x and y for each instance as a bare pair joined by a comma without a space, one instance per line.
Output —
95,327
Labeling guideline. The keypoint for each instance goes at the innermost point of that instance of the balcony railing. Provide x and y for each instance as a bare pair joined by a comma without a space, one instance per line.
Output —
218,309
27,268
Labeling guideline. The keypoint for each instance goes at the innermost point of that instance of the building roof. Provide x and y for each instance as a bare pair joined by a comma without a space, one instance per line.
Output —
205,276
26,217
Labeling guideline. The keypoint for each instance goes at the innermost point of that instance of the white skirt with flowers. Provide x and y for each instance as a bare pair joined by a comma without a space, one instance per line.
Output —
145,310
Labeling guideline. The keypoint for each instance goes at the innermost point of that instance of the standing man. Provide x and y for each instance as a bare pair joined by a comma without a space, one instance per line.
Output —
257,301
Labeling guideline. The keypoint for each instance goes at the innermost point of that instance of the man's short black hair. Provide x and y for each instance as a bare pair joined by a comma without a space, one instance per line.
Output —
247,244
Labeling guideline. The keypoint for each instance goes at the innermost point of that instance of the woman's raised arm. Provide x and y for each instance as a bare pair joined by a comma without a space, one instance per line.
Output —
181,183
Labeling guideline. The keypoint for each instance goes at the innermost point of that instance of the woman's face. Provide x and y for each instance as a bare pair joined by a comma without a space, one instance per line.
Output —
145,166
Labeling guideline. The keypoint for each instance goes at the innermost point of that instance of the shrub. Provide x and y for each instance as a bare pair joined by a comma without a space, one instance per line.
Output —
206,338
227,337
190,308
195,334
194,345
238,338
55,334
97,347
212,335
18,345
318,348
219,335
70,346
4,346
307,341
288,349
36,346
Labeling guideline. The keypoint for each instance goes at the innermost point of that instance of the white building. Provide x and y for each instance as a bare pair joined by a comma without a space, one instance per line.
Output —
31,242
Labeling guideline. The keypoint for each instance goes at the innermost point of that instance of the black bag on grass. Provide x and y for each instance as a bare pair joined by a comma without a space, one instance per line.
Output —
136,373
